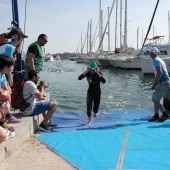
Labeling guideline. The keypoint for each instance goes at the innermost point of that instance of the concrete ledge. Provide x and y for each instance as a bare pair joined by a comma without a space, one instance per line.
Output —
23,130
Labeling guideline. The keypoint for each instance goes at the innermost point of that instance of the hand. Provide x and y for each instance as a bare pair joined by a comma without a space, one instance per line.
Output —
45,84
5,107
97,70
88,68
153,87
10,82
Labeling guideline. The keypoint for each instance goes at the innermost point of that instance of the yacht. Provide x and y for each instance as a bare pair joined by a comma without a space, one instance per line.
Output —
48,57
146,61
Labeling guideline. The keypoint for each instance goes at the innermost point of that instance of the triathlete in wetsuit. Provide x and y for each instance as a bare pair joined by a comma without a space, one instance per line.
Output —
94,77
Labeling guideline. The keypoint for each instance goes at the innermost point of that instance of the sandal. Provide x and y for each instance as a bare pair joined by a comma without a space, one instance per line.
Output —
13,119
10,134
5,126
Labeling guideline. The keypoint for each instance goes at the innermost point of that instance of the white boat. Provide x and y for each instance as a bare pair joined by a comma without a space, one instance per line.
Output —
115,58
79,58
90,58
104,60
130,62
146,61
48,57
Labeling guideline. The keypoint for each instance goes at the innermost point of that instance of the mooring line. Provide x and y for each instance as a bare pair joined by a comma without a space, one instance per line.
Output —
122,153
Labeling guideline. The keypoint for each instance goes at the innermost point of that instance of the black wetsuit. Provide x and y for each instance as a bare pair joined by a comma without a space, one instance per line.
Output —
93,92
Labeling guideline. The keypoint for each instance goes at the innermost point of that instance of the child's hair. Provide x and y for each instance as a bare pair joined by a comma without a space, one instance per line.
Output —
6,61
4,36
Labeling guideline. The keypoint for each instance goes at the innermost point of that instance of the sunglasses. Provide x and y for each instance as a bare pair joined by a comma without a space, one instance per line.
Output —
45,40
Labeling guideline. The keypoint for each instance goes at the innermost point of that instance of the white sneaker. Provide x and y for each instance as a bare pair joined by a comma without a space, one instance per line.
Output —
10,135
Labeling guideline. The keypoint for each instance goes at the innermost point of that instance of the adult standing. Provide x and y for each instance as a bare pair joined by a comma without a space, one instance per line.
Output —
94,77
160,85
34,57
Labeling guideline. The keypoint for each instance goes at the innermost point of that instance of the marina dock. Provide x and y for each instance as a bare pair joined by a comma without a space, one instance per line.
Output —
23,131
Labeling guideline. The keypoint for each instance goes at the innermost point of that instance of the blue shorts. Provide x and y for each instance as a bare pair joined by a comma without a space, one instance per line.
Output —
41,107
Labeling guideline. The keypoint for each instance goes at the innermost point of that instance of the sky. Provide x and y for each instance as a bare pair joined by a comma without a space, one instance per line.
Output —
63,21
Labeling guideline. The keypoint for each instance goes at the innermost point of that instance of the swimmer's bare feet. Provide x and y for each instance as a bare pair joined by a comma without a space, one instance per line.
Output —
95,114
90,121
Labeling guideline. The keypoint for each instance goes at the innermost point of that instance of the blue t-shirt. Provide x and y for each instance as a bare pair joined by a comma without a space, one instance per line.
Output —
7,49
3,81
159,62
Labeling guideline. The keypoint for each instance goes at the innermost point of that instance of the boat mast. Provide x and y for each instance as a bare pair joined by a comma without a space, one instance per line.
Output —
169,25
150,24
88,37
120,26
108,31
81,44
98,50
15,21
90,41
125,28
116,25
100,27
137,36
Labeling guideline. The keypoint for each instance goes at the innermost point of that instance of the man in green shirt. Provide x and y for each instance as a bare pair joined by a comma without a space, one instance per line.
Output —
34,57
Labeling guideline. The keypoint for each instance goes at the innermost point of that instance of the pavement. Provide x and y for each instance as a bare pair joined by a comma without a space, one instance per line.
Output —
23,131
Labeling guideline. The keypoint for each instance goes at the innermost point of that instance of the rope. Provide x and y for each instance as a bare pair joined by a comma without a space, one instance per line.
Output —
18,72
150,25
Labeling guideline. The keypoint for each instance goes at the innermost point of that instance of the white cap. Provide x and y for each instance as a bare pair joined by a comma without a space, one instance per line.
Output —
154,50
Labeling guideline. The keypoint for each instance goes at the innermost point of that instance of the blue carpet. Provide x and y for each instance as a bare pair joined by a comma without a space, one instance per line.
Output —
98,147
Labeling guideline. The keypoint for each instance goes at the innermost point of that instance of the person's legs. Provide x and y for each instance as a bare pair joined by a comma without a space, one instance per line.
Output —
89,101
96,104
46,109
50,112
156,98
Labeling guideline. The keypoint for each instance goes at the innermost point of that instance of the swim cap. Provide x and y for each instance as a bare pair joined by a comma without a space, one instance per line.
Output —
93,65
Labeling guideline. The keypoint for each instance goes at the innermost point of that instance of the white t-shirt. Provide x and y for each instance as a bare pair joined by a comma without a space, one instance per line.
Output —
29,89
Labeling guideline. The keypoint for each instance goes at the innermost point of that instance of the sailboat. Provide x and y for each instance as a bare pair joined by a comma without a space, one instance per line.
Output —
164,51
125,57
146,61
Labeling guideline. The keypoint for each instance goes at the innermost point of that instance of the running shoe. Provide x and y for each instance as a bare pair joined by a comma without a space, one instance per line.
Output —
45,128
10,134
50,124
163,118
13,119
154,119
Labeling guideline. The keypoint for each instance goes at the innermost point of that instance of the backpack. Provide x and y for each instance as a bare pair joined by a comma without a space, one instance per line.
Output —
17,99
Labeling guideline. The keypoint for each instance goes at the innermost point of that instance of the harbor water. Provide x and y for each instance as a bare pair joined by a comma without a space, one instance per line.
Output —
124,89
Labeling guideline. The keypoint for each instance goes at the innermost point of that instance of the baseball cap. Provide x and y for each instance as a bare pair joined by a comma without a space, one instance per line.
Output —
15,33
93,65
154,50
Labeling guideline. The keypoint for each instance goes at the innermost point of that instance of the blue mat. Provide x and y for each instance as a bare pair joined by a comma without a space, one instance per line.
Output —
99,147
